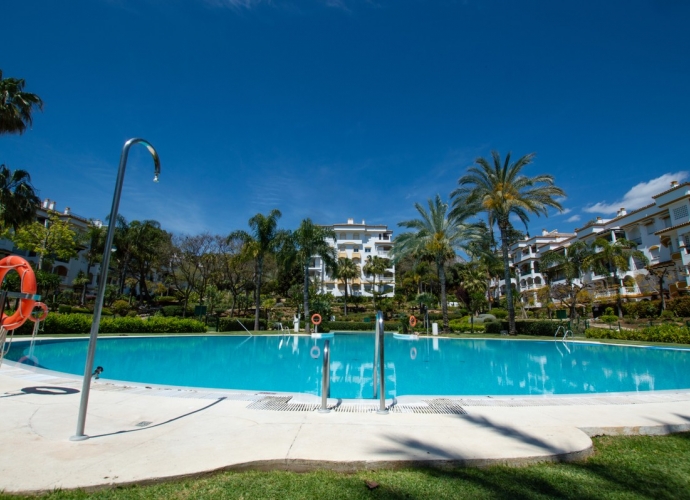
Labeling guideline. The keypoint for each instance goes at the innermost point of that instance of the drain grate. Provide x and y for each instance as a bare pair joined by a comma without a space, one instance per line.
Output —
432,406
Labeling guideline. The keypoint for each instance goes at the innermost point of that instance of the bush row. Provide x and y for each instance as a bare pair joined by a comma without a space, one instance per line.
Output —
662,333
60,324
524,327
232,325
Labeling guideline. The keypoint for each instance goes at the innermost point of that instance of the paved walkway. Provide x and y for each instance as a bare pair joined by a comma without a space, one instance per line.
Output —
139,434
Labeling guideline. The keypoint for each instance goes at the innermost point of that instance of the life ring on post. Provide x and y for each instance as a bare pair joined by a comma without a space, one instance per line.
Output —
316,319
413,321
28,286
42,316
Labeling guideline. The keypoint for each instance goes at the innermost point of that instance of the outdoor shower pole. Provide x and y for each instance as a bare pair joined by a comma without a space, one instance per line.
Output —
382,379
98,308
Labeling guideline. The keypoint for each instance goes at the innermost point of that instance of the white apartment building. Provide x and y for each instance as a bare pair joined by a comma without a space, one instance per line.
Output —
358,242
661,231
66,270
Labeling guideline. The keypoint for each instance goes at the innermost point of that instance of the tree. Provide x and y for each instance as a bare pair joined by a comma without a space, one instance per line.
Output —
146,243
186,264
16,106
235,271
375,266
309,241
500,190
613,258
265,239
18,200
95,243
437,235
52,240
570,263
653,281
345,271
81,281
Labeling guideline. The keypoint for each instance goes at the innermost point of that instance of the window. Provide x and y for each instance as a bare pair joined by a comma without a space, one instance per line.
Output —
680,212
650,228
356,236
667,222
367,250
356,249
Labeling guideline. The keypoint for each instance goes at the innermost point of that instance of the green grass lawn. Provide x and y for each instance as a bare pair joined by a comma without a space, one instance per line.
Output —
622,467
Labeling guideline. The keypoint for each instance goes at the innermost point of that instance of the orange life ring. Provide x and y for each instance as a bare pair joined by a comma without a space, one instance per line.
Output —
28,286
413,321
43,316
314,319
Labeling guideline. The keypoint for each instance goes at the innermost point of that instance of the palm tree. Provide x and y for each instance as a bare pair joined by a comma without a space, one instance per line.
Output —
500,190
611,258
308,241
16,105
572,263
95,243
346,270
437,235
18,200
265,240
375,266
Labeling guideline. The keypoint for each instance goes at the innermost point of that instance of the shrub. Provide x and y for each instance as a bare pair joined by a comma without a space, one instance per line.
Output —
643,309
680,306
121,307
662,333
541,328
609,319
667,315
463,325
232,325
499,313
80,310
166,299
64,309
60,324
493,327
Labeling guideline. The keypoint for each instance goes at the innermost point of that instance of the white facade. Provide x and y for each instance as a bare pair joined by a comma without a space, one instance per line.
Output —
661,231
67,271
358,242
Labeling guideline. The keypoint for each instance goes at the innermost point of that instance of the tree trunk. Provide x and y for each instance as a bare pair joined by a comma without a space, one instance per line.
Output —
619,300
305,297
346,297
257,293
444,302
506,277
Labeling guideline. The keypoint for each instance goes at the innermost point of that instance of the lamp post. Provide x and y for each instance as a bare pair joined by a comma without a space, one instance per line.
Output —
86,385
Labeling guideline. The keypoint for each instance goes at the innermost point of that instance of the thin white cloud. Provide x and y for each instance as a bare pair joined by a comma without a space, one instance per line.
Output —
574,218
639,196
565,211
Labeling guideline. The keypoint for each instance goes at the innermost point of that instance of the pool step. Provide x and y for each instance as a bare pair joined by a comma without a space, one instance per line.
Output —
440,406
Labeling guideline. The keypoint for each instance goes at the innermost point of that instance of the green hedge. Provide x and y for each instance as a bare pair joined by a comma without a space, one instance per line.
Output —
662,333
61,324
231,325
356,326
526,327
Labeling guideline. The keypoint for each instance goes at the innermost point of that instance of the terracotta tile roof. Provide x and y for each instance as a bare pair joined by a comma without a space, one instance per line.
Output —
669,190
671,228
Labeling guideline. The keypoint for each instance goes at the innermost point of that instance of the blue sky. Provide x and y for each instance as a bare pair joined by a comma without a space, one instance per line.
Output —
332,109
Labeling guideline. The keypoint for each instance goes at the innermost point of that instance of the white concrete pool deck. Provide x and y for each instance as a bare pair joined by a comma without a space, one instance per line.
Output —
140,434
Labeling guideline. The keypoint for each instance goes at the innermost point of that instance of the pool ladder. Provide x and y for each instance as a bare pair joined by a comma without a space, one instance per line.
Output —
565,331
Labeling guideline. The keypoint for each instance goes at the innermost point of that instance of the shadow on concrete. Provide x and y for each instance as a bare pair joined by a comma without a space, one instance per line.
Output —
413,447
161,423
43,390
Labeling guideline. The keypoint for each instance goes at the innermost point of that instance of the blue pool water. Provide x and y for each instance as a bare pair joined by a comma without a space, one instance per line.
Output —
426,366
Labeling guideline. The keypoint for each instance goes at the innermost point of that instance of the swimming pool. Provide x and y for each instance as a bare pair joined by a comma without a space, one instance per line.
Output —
427,366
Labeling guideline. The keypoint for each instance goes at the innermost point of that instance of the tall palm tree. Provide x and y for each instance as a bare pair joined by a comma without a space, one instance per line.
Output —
499,189
264,240
438,235
613,258
16,105
346,270
308,241
18,200
572,262
375,266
